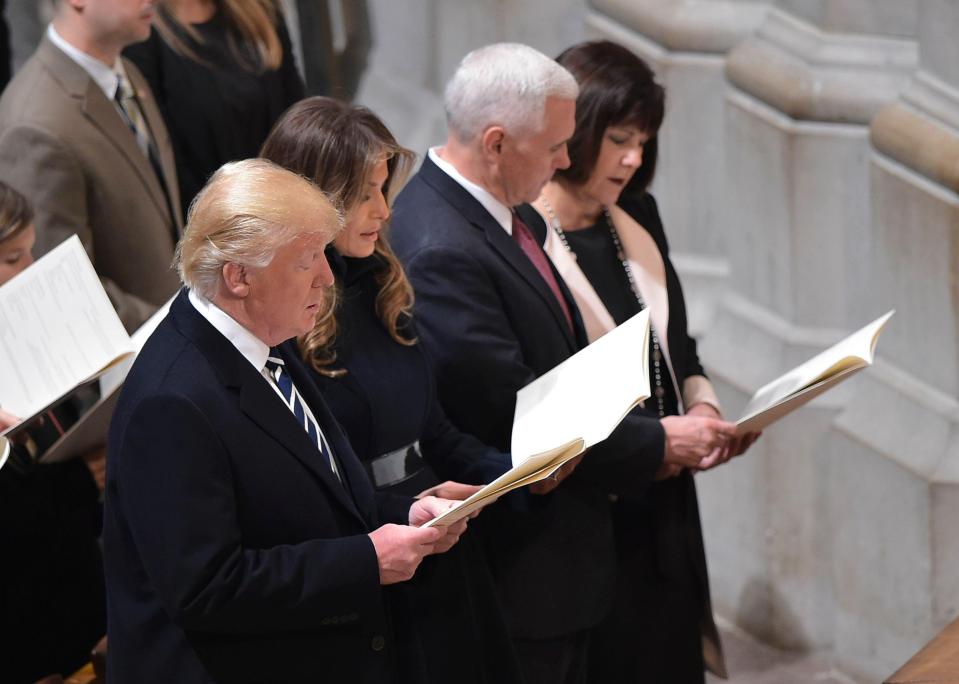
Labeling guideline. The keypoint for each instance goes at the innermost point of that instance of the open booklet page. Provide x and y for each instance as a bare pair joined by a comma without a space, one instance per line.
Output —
569,409
58,330
92,427
807,381
586,396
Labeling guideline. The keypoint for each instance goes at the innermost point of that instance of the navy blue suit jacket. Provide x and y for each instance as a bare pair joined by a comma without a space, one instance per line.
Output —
492,325
232,552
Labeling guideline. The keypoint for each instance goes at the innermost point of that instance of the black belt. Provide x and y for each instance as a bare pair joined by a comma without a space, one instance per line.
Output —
395,466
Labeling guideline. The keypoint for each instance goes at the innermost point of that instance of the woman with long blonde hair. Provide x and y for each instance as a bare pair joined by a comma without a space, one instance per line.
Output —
376,379
222,72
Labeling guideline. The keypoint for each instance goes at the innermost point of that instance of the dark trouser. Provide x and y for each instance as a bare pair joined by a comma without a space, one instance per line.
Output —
554,661
652,634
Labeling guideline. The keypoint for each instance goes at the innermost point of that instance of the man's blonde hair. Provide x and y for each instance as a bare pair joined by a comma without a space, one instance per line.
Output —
244,214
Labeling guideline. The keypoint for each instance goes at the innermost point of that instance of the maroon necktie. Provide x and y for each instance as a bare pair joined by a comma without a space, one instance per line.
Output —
535,254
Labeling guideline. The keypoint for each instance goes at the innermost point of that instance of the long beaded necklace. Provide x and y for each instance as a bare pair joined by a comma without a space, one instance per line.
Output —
659,392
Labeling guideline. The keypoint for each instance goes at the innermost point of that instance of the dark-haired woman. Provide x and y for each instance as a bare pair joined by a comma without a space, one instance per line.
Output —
222,72
378,383
606,239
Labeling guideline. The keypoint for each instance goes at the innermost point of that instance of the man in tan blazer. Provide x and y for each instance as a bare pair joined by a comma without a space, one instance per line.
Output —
81,136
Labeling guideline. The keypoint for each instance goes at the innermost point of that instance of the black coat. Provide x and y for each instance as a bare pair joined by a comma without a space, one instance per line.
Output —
663,603
491,325
51,581
232,551
448,615
216,110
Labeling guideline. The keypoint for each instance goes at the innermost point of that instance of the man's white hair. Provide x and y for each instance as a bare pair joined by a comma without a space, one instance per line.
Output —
244,214
504,84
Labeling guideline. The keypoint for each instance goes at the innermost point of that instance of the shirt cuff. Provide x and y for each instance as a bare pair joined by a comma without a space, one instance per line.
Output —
697,389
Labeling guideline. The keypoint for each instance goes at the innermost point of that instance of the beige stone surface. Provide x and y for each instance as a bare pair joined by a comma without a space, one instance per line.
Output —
752,662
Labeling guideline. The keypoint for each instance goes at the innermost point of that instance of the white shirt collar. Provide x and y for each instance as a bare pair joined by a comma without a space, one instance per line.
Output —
249,345
107,78
499,211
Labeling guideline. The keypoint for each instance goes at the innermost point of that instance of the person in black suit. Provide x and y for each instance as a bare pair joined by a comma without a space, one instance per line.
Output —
242,538
363,354
495,315
606,239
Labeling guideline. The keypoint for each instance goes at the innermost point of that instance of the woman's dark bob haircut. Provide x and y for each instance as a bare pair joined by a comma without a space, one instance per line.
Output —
616,88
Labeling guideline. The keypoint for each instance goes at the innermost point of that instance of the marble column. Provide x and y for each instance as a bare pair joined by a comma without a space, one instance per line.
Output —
686,43
821,539
905,527
418,44
400,81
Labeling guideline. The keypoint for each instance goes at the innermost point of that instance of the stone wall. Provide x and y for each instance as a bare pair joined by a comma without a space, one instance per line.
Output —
809,184
418,43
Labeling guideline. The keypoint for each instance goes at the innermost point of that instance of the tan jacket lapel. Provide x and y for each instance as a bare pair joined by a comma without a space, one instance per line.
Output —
103,114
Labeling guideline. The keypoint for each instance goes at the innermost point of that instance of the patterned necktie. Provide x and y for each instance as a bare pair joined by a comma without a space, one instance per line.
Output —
130,107
277,370
535,254
132,113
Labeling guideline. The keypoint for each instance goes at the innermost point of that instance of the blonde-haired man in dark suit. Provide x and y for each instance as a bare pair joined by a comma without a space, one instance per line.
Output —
81,136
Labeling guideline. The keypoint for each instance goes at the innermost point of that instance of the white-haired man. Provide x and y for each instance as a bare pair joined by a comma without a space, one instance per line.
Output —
495,315
241,534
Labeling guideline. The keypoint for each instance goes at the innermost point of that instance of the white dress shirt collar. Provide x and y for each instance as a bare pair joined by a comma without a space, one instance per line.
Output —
502,214
107,78
249,345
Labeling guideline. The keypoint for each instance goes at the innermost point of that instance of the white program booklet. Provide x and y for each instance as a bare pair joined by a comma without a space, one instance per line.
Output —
92,427
805,382
569,409
58,330
586,396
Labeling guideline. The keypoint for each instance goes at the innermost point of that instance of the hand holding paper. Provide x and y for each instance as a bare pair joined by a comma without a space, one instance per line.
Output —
690,439
569,409
547,485
735,446
400,549
431,507
456,491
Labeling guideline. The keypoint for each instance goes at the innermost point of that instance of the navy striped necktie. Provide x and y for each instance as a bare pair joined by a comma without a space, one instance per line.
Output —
276,367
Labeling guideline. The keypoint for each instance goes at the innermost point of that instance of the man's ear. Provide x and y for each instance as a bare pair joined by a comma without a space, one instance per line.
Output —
236,280
492,140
